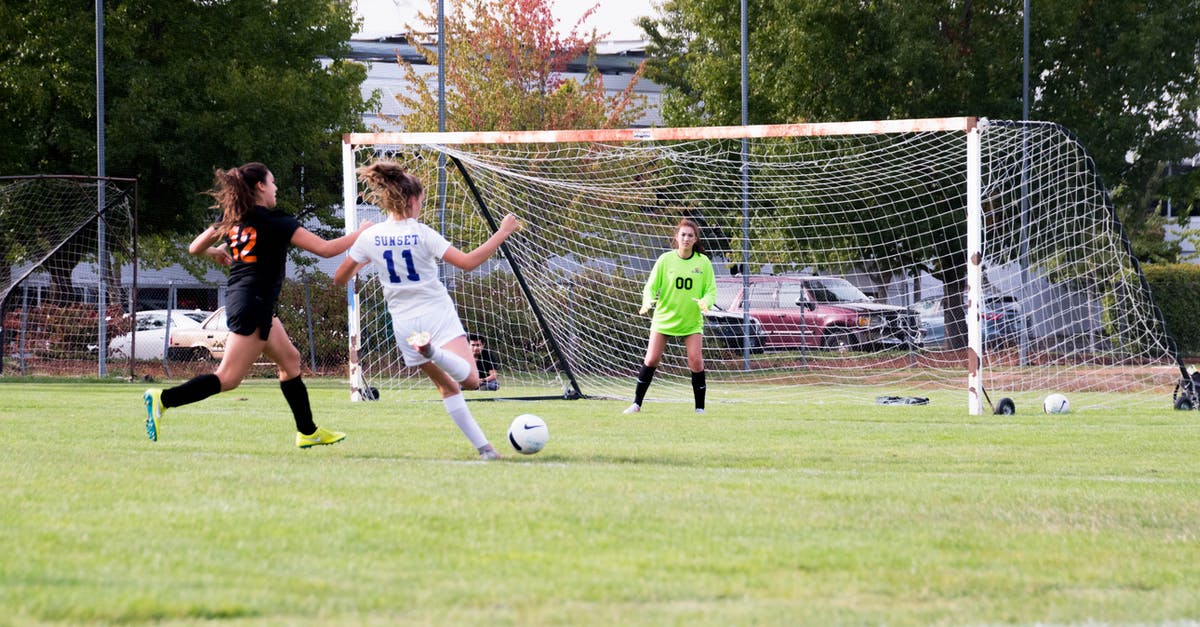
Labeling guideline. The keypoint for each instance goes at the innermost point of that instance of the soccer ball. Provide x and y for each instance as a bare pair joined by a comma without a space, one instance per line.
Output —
528,434
1056,404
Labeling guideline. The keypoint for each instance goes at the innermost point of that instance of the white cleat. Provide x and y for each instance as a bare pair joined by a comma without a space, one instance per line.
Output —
420,340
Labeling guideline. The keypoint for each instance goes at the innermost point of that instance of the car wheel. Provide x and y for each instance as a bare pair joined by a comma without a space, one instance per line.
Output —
199,353
836,339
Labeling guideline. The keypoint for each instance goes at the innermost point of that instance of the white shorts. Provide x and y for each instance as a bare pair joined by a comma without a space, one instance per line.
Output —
442,327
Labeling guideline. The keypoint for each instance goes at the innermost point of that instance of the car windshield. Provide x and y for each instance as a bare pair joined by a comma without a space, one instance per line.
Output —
928,307
198,316
835,291
726,292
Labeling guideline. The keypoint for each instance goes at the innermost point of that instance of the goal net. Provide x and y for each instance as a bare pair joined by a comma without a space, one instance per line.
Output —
853,260
64,241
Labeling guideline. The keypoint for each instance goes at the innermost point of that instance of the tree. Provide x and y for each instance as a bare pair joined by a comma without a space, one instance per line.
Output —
1122,76
189,87
505,70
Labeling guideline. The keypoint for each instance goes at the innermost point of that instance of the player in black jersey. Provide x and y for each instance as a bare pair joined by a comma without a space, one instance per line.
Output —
254,238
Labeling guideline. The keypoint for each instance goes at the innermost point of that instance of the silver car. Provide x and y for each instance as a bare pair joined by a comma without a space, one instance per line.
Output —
151,331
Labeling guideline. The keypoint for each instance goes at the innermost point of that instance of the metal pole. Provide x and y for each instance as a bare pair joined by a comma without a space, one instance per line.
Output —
101,260
358,384
974,262
745,194
442,112
1023,341
1025,67
312,351
166,348
23,345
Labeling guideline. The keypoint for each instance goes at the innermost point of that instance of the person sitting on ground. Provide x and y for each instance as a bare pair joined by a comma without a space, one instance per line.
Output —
485,364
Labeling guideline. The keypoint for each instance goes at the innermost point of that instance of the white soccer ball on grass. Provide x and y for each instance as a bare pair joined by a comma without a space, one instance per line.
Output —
528,434
1056,404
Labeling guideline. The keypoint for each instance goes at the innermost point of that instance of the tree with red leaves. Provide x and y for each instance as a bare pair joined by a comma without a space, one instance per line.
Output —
506,71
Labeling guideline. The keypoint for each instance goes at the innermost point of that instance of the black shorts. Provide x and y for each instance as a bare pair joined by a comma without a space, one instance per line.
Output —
248,314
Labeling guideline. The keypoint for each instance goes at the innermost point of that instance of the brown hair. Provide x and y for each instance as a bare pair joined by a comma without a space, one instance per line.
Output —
698,247
234,191
390,187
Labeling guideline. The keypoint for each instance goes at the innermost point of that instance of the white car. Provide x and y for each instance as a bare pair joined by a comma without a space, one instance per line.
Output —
151,329
203,341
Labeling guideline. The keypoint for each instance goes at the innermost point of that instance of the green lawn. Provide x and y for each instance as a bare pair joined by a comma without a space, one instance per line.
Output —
798,513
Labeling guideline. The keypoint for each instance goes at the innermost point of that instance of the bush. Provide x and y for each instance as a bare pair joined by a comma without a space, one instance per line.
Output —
1174,288
327,311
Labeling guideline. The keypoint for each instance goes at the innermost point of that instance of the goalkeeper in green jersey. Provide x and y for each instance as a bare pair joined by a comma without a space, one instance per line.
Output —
681,289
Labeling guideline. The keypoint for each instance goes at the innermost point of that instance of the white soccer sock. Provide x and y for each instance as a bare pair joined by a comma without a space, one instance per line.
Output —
454,365
456,406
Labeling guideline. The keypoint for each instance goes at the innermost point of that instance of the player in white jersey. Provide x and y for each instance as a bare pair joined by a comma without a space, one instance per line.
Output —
406,252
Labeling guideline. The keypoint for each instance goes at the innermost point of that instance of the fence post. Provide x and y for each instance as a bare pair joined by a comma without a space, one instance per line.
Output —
312,346
166,330
24,326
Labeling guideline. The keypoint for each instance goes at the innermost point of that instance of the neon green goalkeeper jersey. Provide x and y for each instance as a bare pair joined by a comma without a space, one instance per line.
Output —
675,283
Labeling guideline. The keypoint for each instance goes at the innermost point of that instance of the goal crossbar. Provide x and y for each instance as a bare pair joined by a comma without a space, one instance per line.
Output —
829,129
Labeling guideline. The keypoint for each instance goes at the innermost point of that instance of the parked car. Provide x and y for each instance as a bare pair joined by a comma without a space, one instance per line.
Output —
819,312
205,341
151,330
1002,320
728,330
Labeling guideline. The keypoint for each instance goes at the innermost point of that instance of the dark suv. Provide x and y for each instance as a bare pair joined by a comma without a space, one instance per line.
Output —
729,330
819,311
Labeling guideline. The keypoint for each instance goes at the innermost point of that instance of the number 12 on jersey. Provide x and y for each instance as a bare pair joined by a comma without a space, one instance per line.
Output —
410,270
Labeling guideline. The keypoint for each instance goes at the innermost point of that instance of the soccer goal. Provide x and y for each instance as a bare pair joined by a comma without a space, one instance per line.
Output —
856,260
64,241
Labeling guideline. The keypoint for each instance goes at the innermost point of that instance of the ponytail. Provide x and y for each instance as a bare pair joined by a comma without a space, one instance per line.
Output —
390,187
234,192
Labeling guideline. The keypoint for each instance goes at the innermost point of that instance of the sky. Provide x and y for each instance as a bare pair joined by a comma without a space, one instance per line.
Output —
388,17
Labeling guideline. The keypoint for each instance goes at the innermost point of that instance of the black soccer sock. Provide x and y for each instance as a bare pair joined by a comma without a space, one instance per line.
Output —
196,389
698,388
296,394
645,376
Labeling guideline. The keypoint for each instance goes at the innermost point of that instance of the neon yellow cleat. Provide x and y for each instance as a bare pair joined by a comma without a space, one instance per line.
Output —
319,437
154,412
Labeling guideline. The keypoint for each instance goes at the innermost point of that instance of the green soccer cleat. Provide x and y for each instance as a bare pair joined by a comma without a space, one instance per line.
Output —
319,437
154,412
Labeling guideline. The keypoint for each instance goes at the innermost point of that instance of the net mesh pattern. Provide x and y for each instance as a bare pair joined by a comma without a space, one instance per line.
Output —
1065,307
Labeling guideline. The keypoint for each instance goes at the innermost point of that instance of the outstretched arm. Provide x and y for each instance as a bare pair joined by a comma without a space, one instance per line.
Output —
303,238
346,271
470,261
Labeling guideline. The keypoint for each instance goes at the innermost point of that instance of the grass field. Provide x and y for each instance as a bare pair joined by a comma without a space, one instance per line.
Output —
752,513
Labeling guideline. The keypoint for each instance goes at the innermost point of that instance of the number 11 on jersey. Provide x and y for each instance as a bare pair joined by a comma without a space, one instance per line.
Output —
411,272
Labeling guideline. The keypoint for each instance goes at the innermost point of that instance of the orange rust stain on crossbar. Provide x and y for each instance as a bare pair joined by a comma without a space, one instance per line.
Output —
669,134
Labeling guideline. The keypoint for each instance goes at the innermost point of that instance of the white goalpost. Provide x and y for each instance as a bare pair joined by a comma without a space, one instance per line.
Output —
989,254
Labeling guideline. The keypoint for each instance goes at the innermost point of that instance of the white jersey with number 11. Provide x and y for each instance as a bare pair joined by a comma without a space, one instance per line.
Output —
405,254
